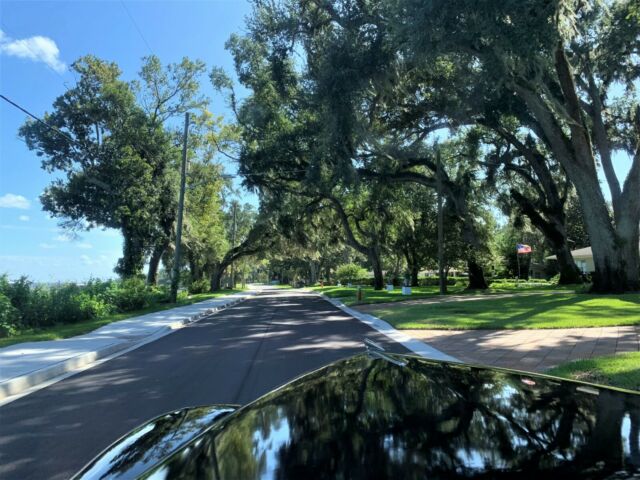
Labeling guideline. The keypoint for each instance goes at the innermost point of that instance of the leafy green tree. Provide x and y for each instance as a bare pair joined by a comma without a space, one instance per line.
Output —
112,159
326,116
555,68
118,160
205,235
535,187
253,232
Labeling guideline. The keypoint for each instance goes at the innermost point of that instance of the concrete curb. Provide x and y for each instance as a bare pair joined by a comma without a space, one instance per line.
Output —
17,385
63,369
411,344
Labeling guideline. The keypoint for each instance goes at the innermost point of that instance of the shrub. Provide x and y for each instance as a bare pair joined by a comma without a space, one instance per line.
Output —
350,272
25,304
199,286
129,294
9,317
435,281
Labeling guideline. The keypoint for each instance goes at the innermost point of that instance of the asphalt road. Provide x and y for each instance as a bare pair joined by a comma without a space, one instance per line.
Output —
231,357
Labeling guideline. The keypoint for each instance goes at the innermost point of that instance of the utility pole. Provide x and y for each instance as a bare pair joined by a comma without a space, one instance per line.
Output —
175,277
441,278
234,205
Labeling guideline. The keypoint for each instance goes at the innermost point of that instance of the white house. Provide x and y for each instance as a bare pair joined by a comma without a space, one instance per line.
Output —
583,258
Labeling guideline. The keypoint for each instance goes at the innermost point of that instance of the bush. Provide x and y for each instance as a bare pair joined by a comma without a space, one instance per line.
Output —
25,304
9,317
129,294
435,281
199,286
350,272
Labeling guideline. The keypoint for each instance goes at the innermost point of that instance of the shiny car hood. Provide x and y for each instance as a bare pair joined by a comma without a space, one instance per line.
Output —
149,444
407,417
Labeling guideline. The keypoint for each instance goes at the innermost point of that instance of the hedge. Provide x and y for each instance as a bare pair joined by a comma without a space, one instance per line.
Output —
26,304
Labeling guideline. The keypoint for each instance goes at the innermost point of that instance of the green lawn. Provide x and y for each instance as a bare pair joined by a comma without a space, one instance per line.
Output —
71,330
348,294
622,370
549,310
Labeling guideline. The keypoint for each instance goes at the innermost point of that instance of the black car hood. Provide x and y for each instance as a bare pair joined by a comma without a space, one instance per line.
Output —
148,445
407,417
394,417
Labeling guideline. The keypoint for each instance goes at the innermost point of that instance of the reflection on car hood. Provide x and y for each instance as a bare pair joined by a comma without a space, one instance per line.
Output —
146,446
416,418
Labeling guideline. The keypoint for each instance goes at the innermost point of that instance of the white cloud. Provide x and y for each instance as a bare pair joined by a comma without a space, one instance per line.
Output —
23,218
47,246
63,238
11,200
36,48
85,245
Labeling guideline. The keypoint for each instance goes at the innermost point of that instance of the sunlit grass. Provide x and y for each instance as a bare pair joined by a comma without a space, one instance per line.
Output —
622,370
58,332
348,294
561,310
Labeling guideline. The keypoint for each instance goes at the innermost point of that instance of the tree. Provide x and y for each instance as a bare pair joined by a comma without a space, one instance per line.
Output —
165,93
110,155
350,121
205,235
119,160
555,67
535,187
254,233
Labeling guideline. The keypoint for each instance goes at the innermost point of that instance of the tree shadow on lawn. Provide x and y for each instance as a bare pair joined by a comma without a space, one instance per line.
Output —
582,309
552,311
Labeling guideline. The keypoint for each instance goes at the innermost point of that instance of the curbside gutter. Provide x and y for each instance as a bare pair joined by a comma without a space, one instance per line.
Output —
411,344
111,346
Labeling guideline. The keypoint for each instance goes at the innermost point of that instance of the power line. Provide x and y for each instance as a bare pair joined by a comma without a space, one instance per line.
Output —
75,142
136,26
38,119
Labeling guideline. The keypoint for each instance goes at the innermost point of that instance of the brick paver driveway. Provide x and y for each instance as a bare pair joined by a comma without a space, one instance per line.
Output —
532,350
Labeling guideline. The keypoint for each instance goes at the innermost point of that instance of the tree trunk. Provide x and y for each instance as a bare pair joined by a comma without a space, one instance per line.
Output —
553,227
132,259
378,278
196,272
412,266
569,272
615,250
414,275
616,265
313,273
216,277
154,263
476,276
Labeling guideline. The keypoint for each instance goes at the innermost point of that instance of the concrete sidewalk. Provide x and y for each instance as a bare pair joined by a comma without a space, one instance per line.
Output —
24,366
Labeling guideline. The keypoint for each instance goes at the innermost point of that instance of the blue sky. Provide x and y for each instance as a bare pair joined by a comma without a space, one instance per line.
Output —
30,243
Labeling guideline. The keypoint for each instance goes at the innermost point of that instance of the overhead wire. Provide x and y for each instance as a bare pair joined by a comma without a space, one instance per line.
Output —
72,140
135,24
